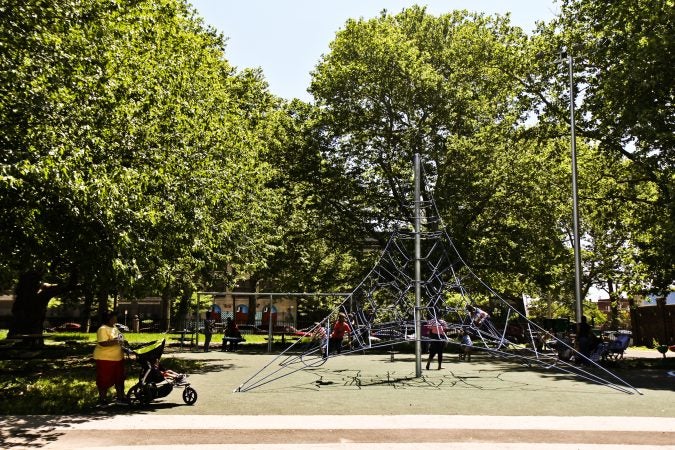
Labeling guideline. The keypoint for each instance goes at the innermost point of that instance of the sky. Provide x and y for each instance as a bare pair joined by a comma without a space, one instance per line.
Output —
286,38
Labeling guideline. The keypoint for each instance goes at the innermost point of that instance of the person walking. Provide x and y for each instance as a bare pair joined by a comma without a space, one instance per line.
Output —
209,323
340,328
465,345
437,341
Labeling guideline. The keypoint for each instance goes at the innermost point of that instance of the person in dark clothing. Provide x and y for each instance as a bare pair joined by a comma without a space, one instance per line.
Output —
586,339
232,332
209,324
437,341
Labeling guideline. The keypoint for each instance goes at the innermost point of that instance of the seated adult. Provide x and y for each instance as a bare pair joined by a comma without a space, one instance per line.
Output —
232,335
586,339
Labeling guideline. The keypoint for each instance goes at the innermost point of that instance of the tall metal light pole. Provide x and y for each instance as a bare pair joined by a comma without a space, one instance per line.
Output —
418,272
575,194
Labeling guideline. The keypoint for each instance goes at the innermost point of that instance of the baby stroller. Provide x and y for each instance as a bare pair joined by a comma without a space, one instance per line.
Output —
153,382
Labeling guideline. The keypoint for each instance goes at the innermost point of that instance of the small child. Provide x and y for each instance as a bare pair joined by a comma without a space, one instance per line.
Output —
318,333
160,373
465,346
478,316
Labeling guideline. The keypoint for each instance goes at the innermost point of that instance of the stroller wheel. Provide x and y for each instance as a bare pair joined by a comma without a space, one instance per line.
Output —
189,395
137,395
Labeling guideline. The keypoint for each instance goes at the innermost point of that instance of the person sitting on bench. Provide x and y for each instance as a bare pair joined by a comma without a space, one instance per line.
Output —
232,336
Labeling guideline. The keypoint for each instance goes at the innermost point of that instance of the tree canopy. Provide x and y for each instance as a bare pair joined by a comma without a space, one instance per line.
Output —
135,159
132,151
622,57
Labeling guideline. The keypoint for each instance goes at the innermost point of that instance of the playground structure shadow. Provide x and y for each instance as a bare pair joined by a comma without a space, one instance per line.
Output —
373,384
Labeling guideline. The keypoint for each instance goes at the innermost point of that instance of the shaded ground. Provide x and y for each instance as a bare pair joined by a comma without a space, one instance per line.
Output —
364,383
368,401
373,384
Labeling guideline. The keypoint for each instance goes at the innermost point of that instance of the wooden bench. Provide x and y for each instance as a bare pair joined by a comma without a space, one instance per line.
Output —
9,343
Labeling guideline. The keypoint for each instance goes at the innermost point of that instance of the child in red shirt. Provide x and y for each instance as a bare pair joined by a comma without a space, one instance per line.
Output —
337,334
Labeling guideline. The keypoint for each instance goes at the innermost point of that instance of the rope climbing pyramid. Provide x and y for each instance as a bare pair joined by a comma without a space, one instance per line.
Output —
385,311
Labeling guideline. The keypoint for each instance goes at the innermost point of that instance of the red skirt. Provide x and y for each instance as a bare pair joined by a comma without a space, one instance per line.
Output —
109,373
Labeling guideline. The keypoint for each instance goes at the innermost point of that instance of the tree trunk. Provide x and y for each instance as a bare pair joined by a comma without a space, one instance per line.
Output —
251,309
102,305
165,318
85,318
30,307
183,308
614,301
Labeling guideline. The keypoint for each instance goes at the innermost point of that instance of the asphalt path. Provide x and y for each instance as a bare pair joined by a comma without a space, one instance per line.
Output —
367,401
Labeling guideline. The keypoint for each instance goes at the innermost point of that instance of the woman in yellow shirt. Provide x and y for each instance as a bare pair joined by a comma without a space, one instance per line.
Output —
109,358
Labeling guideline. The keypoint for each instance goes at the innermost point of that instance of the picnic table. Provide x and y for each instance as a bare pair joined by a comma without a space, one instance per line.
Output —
182,337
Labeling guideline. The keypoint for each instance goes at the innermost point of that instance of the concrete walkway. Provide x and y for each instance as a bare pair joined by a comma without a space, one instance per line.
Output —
354,432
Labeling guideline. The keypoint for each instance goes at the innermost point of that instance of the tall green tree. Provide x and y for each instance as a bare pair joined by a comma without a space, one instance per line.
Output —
316,249
449,88
623,65
131,157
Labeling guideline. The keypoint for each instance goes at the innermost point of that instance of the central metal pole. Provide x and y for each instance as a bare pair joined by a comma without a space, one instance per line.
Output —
575,195
418,273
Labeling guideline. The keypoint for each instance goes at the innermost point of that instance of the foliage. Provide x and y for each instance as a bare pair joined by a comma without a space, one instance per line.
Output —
556,309
132,149
449,88
622,52
410,83
136,160
314,250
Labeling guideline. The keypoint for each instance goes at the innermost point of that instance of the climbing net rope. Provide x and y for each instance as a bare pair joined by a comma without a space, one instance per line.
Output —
381,313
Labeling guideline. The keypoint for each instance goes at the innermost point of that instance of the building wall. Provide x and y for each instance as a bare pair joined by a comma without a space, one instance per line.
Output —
284,310
604,305
653,323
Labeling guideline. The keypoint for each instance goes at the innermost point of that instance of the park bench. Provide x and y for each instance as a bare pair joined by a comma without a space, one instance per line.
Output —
9,342
36,340
230,342
183,337
183,341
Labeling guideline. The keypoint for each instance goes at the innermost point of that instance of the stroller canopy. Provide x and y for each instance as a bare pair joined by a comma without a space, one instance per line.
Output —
151,351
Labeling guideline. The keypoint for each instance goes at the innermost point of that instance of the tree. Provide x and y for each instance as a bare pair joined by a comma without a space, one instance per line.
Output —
132,155
314,249
449,88
623,61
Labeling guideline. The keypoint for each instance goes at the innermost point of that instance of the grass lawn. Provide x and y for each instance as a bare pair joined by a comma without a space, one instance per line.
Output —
60,377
